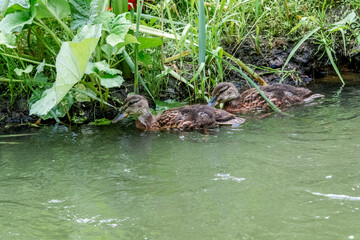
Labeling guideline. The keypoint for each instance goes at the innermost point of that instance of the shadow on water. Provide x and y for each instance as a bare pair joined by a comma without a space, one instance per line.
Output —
281,177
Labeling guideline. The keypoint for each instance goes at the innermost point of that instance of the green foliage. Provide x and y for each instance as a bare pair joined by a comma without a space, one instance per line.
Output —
70,64
117,27
82,50
90,56
146,43
7,39
324,35
14,22
52,9
84,12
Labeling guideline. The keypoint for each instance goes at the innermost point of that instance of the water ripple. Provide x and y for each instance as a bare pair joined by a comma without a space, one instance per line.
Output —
95,220
220,176
336,196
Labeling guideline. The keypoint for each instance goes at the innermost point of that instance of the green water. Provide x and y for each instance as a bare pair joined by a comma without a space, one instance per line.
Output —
276,178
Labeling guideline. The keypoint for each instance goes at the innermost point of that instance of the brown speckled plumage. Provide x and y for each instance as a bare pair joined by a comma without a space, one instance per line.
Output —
282,95
191,117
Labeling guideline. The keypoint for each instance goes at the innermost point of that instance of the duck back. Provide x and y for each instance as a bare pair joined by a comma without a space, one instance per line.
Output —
194,117
282,95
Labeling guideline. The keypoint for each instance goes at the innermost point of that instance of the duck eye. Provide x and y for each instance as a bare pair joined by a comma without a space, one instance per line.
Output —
133,101
223,90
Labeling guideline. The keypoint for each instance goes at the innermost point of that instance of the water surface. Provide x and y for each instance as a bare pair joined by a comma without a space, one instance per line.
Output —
282,177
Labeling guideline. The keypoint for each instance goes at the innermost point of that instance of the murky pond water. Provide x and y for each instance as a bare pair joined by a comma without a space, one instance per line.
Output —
277,178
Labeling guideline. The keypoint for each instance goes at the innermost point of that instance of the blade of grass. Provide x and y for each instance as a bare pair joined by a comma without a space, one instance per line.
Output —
287,9
219,52
178,77
344,40
132,66
136,47
162,45
119,6
298,45
147,16
246,68
26,59
177,56
328,51
17,135
202,34
41,24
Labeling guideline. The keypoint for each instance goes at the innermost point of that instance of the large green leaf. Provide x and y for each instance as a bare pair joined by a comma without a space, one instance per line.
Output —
70,66
348,20
84,12
109,50
127,40
52,8
17,5
88,31
117,27
101,67
8,39
104,19
14,22
149,42
145,58
59,110
110,81
118,33
109,77
112,50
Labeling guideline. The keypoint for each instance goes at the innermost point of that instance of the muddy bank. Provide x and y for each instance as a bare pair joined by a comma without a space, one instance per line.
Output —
308,63
305,68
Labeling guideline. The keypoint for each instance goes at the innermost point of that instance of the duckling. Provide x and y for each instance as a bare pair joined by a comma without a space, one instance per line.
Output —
282,95
190,117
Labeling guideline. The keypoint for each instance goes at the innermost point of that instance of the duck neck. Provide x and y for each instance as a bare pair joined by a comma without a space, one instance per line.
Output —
146,121
233,103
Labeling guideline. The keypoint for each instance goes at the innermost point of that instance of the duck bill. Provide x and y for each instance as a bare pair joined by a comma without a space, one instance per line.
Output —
212,102
119,117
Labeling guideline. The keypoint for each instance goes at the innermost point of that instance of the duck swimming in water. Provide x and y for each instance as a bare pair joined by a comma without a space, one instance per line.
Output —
190,117
282,95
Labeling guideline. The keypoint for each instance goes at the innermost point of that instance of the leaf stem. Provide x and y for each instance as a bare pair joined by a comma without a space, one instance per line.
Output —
42,25
26,59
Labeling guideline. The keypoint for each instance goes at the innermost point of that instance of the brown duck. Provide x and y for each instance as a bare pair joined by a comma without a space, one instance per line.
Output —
282,95
190,117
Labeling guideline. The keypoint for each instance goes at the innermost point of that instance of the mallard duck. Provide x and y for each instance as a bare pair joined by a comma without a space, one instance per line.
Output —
190,117
282,95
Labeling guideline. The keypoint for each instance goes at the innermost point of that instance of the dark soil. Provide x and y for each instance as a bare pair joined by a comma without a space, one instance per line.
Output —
307,63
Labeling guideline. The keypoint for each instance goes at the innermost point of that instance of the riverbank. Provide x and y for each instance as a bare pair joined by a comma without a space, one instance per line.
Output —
283,42
305,69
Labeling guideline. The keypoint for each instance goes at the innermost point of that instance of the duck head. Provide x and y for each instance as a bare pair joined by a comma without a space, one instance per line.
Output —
134,105
222,93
